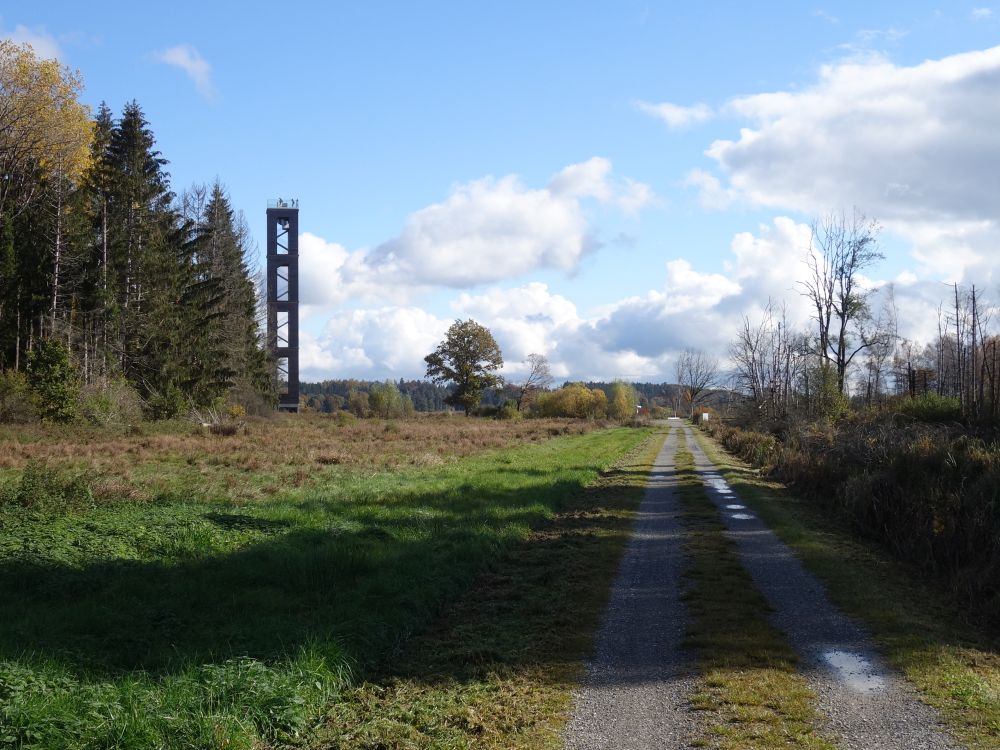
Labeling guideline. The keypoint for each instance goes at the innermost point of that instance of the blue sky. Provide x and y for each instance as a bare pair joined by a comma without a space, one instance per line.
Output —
549,168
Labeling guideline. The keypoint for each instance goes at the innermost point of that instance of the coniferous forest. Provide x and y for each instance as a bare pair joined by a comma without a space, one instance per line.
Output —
115,291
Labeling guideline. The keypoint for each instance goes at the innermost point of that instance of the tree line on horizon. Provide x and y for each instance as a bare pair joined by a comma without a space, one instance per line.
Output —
351,394
114,288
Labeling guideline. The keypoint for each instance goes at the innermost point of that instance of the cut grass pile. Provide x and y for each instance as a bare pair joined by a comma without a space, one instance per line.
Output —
954,664
497,669
749,688
212,624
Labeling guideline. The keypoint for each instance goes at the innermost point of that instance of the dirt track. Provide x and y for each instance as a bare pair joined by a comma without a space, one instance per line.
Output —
636,691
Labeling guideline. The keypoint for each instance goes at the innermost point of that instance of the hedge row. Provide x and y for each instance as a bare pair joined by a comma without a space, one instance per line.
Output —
931,494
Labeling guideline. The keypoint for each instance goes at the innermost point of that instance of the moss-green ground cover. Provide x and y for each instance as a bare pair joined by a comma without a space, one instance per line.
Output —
215,624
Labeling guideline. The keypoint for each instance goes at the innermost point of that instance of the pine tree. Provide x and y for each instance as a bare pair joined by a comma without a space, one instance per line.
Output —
138,213
97,280
179,356
130,282
222,250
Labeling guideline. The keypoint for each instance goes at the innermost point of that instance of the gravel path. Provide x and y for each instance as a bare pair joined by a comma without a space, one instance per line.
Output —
635,693
869,706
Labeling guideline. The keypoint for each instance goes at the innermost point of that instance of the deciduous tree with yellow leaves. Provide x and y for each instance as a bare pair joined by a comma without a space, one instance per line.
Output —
97,253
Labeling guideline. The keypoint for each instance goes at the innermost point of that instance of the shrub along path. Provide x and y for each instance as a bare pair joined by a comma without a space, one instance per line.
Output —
868,706
717,636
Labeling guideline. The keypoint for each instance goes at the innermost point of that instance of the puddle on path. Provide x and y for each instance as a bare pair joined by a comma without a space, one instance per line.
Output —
855,670
736,507
718,484
741,516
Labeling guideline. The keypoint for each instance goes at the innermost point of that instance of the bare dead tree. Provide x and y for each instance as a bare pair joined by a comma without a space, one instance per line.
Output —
769,359
840,249
964,357
749,353
881,333
539,378
697,373
985,352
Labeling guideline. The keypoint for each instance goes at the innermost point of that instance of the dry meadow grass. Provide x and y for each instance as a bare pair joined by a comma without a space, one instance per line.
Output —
264,457
161,593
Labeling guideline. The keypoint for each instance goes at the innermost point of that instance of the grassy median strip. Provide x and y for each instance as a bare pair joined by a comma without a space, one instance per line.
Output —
139,624
955,666
749,687
497,670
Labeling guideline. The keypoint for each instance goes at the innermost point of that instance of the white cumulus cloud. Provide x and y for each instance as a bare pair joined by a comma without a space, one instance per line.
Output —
634,338
589,179
676,115
376,343
918,147
43,43
188,59
485,231
711,194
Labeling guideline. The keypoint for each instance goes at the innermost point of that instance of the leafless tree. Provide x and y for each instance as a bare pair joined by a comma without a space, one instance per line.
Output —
769,359
970,350
840,249
539,378
880,332
697,373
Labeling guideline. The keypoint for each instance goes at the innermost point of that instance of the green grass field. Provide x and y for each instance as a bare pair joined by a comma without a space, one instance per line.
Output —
497,669
220,622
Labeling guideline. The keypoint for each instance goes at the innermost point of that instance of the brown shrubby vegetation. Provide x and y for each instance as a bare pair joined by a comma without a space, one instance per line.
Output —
930,493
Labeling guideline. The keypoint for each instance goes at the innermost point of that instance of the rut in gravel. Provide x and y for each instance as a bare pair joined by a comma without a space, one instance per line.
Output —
868,706
637,688
635,693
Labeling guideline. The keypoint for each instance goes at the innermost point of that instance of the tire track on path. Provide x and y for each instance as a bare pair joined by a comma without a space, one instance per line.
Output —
869,707
637,687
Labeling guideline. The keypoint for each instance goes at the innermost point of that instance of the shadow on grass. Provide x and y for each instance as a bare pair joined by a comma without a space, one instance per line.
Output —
367,581
496,668
189,624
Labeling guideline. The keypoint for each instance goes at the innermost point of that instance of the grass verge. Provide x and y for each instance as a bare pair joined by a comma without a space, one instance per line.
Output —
954,665
206,625
497,670
749,687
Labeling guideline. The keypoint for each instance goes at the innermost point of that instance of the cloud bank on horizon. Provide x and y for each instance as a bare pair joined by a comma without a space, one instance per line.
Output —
914,146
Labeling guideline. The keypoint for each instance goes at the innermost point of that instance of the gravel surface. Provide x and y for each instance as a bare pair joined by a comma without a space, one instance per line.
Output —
869,706
637,686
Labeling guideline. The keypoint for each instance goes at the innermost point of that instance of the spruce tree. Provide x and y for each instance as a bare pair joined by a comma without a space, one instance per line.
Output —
139,217
98,280
223,250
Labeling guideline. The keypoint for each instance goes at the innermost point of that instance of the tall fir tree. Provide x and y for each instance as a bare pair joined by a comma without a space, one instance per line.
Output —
97,282
128,280
138,208
223,252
